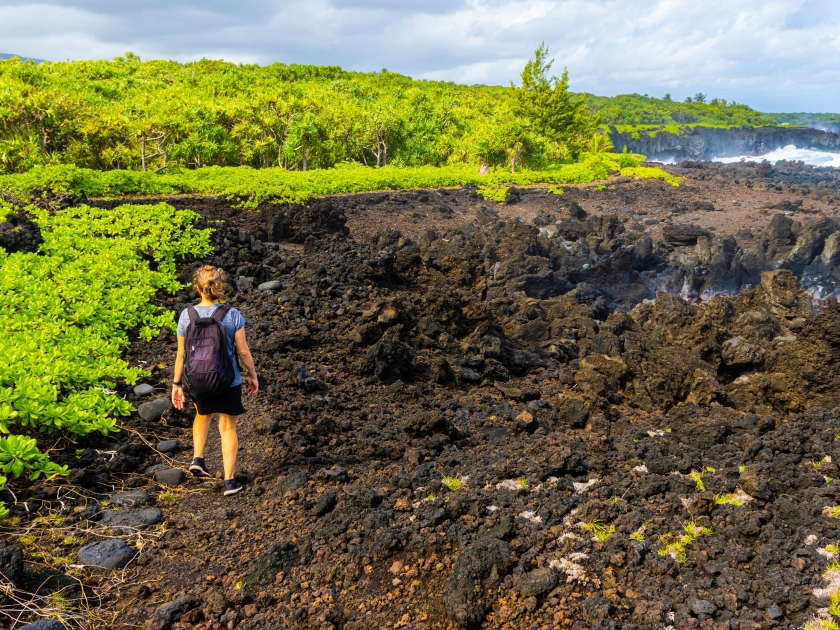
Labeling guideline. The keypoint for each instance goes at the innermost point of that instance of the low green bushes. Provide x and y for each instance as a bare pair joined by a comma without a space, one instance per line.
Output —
251,186
67,311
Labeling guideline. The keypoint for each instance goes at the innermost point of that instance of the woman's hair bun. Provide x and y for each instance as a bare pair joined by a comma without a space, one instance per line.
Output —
210,282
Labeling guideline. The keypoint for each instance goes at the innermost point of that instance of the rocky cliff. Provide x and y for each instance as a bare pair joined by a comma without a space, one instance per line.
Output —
706,143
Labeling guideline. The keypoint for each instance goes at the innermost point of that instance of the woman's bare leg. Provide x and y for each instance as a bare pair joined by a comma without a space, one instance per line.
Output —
201,426
230,443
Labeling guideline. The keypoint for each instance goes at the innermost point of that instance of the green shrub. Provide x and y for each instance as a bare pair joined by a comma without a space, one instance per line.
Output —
250,187
67,313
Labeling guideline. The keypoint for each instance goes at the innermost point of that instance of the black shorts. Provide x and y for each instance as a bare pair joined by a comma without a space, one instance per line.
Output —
229,403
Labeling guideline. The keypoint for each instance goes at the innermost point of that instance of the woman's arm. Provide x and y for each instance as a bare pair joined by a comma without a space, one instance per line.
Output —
178,390
245,354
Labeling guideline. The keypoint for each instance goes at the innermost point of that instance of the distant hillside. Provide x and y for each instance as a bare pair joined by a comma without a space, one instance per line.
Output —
7,56
827,122
636,109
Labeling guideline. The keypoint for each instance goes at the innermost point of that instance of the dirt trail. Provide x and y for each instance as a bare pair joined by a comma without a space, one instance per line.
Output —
483,415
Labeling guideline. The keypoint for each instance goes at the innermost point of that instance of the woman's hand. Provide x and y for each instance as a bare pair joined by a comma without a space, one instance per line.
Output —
253,386
178,397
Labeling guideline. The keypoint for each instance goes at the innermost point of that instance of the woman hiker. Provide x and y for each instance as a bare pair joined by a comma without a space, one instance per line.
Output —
210,285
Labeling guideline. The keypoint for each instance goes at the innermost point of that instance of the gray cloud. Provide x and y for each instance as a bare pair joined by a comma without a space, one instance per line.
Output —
774,55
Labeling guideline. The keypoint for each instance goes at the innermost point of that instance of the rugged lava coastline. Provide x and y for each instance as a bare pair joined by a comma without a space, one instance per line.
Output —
623,459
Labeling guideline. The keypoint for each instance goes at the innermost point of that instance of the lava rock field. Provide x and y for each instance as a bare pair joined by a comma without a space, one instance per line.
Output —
602,409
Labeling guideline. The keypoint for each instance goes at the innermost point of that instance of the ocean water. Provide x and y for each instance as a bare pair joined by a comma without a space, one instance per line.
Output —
790,152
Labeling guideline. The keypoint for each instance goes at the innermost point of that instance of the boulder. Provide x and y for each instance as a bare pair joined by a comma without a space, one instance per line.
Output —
279,559
151,470
537,582
170,477
144,389
106,554
326,503
131,518
153,410
389,360
130,498
271,285
684,235
595,608
11,563
476,570
701,606
293,481
171,612
738,351
572,412
44,624
266,424
18,233
168,446
244,283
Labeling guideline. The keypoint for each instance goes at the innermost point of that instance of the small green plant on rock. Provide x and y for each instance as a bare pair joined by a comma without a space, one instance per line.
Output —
523,483
453,483
555,190
697,478
599,530
638,535
168,495
678,546
834,604
727,498
833,548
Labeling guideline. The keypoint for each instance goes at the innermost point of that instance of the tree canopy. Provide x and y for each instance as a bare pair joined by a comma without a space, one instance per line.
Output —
153,115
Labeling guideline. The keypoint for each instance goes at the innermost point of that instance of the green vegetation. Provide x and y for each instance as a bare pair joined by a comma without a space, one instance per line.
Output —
68,310
599,530
667,113
251,186
806,120
678,546
127,114
725,498
493,193
453,483
131,115
834,605
697,478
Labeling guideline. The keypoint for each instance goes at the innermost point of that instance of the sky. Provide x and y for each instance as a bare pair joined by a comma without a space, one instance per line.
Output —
777,56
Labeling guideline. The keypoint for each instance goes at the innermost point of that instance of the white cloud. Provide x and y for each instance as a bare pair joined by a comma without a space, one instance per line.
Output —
774,55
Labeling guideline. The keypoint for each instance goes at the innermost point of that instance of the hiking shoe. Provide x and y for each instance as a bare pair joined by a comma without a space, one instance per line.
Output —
232,486
198,468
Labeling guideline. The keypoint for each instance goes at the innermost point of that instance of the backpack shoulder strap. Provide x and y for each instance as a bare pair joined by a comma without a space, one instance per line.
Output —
193,314
220,312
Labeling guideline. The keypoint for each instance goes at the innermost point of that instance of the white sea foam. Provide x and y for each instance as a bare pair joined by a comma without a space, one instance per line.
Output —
790,152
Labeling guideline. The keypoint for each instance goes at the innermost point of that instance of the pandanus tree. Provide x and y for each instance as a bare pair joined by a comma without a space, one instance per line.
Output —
544,107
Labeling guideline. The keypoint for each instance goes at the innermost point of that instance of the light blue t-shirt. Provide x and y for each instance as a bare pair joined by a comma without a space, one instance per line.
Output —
232,322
